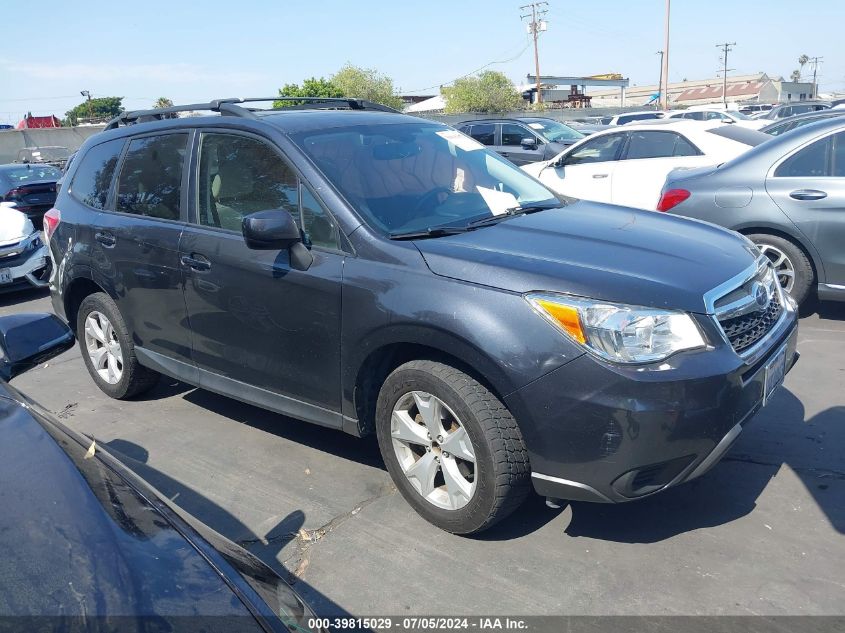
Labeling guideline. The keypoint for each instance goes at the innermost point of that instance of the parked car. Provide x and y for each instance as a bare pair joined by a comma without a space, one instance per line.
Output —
32,188
787,196
85,537
632,117
720,116
754,108
588,128
629,166
378,273
791,109
24,258
776,128
47,154
523,140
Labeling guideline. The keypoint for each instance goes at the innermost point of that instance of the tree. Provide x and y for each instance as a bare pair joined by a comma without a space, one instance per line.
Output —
98,108
312,87
367,83
795,76
163,102
802,61
489,91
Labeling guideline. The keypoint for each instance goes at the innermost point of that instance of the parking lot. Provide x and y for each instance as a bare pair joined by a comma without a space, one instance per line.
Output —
762,533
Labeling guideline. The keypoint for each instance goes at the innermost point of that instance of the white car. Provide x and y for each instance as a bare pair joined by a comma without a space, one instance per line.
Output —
717,116
24,260
626,118
628,165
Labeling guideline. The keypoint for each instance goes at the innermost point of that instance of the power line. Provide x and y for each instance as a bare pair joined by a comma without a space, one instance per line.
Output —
535,26
726,48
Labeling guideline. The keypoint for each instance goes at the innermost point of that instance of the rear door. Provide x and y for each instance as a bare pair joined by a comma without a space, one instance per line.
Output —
134,250
511,144
587,170
647,159
809,187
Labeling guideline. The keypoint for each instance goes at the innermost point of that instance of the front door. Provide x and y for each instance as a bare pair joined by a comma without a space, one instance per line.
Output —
586,171
809,187
511,147
261,329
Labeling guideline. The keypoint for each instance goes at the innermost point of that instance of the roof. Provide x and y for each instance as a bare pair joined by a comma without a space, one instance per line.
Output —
734,89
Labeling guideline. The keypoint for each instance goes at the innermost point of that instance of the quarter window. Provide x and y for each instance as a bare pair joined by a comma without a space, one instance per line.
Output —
92,180
240,175
150,181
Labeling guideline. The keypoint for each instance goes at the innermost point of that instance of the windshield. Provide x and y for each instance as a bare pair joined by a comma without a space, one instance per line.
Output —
555,131
415,176
31,173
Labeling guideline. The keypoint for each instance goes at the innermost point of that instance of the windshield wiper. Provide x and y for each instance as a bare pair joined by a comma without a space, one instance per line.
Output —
435,231
510,213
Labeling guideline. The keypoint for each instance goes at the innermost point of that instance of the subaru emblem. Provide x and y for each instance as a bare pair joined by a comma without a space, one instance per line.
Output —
761,295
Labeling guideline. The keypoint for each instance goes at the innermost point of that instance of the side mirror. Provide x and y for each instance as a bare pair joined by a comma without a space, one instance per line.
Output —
528,143
275,230
27,340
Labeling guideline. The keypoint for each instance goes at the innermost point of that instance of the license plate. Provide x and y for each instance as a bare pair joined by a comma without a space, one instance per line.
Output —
5,275
774,373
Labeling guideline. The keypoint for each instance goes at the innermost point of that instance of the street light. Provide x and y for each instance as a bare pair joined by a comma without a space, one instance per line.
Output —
87,93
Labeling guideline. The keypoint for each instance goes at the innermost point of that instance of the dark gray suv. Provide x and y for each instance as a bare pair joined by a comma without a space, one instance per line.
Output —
382,274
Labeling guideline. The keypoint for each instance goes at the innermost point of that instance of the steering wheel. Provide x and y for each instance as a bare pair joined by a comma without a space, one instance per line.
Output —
429,197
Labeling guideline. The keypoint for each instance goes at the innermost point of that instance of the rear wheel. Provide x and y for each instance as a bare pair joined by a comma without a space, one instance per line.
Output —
793,268
108,351
452,448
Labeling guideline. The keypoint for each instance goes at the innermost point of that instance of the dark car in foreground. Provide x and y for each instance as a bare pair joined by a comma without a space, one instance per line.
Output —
788,196
88,545
377,273
522,140
32,188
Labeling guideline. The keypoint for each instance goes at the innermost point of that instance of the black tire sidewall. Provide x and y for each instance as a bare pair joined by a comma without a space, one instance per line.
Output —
475,513
100,302
804,274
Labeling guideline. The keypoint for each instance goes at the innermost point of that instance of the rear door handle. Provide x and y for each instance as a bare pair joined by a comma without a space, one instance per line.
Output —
105,238
808,194
196,262
599,175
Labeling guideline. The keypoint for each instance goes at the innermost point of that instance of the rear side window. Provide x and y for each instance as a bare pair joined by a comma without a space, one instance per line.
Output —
150,181
484,133
810,162
92,180
658,145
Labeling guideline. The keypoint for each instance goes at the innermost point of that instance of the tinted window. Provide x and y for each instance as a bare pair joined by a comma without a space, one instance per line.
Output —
810,162
484,134
838,157
658,145
240,175
596,150
150,181
513,134
92,180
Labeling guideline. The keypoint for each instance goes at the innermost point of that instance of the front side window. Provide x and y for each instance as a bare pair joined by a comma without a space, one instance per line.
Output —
484,133
405,177
513,134
239,175
150,181
596,150
92,180
810,162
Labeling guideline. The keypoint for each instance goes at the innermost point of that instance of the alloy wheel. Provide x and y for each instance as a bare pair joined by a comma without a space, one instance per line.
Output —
103,347
784,268
434,450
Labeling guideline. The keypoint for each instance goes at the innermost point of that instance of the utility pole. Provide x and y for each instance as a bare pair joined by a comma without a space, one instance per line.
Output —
815,61
535,27
726,48
664,67
660,82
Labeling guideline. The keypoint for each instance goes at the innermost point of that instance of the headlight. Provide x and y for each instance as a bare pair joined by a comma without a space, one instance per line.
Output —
620,333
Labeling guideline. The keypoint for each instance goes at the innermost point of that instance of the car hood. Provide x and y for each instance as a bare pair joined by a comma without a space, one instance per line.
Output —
596,250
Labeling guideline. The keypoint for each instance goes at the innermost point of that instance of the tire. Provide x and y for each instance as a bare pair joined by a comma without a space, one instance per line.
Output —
479,493
794,265
130,378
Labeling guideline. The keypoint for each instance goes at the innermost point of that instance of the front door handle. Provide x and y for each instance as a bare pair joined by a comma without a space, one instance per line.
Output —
105,238
808,194
599,175
196,262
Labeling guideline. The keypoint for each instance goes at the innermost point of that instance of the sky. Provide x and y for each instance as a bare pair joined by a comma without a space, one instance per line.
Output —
195,51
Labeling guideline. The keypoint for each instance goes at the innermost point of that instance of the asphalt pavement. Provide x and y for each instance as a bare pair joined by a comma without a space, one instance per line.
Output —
761,533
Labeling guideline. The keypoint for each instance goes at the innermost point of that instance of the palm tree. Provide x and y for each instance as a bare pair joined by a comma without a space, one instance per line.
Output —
802,61
795,76
163,102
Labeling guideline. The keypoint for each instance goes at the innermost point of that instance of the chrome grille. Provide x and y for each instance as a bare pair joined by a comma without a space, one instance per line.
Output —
745,330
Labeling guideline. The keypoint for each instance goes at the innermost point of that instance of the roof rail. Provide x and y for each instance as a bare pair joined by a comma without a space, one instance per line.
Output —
230,107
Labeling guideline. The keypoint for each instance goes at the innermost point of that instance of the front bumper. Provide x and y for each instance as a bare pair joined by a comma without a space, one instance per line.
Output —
33,272
605,433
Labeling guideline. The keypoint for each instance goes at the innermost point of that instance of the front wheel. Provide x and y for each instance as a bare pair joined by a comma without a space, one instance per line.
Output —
452,448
